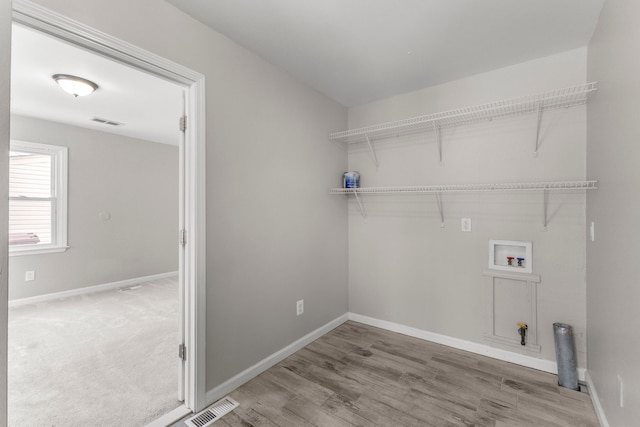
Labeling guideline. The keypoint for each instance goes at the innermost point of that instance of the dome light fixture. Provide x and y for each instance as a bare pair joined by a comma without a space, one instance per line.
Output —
76,86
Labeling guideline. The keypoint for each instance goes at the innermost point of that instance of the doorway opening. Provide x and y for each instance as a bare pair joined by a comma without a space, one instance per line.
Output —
191,269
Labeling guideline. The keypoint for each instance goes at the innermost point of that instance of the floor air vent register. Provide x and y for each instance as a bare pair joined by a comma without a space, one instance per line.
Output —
213,413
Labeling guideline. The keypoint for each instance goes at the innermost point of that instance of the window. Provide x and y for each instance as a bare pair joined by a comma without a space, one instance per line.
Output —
37,198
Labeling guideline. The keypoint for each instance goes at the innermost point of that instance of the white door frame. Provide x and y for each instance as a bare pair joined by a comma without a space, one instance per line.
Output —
192,191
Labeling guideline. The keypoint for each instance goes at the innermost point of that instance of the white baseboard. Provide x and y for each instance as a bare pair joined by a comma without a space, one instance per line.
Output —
231,384
90,289
171,417
473,347
596,401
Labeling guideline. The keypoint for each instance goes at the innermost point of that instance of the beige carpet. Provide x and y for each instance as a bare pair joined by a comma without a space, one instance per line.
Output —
104,359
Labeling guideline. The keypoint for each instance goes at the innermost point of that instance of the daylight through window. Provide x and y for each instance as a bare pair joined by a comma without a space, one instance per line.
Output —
37,198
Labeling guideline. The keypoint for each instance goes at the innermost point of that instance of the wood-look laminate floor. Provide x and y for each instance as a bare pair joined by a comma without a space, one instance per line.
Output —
365,376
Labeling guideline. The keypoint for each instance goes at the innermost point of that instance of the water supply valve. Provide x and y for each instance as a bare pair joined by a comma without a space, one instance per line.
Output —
522,330
509,260
520,261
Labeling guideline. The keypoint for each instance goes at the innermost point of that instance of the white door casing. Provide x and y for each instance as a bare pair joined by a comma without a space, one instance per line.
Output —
192,174
181,250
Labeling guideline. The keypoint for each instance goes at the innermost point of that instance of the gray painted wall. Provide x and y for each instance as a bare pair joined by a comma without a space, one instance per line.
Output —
404,268
274,234
612,158
5,90
135,181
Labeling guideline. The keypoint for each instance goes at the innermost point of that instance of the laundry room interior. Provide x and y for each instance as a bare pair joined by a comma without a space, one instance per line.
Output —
480,209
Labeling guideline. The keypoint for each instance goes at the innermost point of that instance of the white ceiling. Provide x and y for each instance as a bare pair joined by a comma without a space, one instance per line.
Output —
356,51
353,51
148,106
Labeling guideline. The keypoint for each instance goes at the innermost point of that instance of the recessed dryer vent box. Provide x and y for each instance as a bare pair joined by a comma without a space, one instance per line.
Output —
510,255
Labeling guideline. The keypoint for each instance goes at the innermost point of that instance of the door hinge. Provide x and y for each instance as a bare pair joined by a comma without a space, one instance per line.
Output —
183,237
182,352
183,124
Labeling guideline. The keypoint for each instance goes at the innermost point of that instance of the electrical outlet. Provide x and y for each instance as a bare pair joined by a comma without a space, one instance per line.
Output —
29,276
299,307
465,224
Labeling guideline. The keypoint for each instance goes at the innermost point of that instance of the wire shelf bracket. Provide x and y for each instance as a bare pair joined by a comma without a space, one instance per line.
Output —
439,202
372,150
529,104
545,208
438,190
362,211
538,124
436,128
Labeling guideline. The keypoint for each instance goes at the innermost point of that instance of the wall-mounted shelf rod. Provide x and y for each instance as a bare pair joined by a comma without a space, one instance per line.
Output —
537,103
438,190
520,186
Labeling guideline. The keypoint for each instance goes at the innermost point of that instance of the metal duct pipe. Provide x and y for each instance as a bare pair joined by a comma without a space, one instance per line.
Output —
565,356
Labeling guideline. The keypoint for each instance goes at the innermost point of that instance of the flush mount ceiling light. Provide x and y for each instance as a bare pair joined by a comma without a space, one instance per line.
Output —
76,86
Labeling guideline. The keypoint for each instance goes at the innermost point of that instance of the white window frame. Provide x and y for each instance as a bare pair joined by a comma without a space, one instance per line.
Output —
59,161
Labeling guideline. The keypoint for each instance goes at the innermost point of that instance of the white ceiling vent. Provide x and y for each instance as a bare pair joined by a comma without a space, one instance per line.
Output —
106,122
213,413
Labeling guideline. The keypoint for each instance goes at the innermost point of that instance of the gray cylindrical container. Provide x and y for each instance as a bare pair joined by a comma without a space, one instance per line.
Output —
566,356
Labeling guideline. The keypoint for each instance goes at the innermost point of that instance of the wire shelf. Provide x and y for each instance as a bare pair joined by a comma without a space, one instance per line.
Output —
458,188
558,98
437,190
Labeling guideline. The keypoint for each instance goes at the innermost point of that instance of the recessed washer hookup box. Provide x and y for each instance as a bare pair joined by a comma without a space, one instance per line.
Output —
510,255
